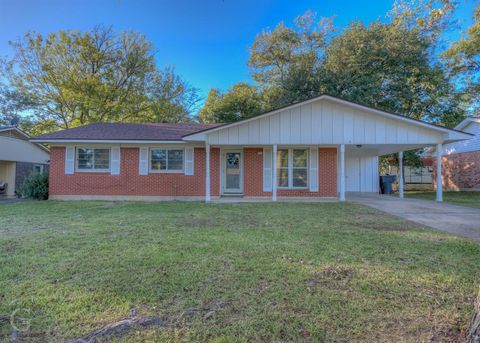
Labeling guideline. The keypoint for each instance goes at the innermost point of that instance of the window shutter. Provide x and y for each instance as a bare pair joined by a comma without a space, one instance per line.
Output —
69,159
267,170
313,170
143,161
189,156
115,161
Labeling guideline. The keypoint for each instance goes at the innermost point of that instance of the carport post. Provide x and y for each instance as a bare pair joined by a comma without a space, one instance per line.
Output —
439,173
400,173
342,172
274,173
207,172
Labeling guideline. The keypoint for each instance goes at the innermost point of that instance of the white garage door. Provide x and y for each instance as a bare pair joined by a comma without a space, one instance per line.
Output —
361,174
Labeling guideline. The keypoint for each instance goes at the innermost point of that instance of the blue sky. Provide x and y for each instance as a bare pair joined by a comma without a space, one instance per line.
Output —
206,40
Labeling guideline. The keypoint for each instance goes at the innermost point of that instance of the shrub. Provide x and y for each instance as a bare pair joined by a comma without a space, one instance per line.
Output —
35,187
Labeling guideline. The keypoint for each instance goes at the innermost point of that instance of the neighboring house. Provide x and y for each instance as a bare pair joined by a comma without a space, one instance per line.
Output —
19,157
322,147
461,160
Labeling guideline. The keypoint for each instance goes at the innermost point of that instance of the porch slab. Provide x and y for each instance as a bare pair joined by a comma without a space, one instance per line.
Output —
457,220
229,199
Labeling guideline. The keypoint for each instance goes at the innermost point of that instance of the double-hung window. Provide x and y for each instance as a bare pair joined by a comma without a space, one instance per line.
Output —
93,159
166,160
37,168
292,168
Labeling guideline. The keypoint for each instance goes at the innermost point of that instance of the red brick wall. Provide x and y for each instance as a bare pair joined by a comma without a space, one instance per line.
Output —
460,171
129,182
253,171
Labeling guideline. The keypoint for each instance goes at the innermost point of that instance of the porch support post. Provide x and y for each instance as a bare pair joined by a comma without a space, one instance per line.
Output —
439,173
342,172
274,173
400,173
207,172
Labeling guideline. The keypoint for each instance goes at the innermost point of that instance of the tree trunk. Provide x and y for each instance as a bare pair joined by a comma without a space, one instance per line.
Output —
473,333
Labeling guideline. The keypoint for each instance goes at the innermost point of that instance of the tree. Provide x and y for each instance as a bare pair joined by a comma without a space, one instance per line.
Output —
168,98
389,67
464,58
286,61
430,18
242,101
72,78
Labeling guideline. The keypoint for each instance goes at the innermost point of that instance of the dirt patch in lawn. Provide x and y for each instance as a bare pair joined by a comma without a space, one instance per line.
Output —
334,275
195,223
380,222
134,322
10,246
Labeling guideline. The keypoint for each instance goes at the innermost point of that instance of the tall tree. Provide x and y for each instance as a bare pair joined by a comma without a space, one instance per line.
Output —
242,101
430,18
72,78
286,61
390,67
464,58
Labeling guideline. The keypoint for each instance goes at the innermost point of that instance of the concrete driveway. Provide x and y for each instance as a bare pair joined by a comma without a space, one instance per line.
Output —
458,220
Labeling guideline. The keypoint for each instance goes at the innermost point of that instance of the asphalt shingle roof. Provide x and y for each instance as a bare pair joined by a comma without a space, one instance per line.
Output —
128,131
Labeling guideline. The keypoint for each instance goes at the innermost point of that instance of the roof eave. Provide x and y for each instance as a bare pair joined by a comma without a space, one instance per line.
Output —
200,136
109,141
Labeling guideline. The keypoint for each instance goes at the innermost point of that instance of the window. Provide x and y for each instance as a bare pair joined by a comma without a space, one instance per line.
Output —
292,168
166,160
93,159
37,169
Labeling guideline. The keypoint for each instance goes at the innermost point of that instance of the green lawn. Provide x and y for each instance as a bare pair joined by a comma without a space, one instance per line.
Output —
282,272
470,199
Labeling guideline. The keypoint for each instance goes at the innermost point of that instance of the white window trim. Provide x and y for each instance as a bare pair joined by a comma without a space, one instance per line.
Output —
79,170
290,168
41,166
176,171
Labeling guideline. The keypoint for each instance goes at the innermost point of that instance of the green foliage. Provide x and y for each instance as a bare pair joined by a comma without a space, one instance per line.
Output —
72,78
35,187
389,64
241,102
390,68
464,58
275,54
287,61
428,17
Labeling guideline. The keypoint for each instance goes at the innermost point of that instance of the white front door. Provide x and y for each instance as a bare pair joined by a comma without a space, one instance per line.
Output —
232,172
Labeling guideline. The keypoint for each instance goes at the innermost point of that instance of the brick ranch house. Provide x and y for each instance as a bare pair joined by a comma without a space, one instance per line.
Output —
461,160
19,158
318,148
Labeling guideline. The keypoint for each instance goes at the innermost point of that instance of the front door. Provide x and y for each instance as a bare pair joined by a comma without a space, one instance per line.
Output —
233,181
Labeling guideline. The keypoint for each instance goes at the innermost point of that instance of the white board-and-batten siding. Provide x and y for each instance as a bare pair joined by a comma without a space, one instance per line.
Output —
361,174
323,122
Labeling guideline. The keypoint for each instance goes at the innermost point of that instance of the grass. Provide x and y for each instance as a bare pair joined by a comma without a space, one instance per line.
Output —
286,272
470,199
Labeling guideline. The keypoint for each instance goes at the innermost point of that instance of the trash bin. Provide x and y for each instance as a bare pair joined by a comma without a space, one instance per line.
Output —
386,182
